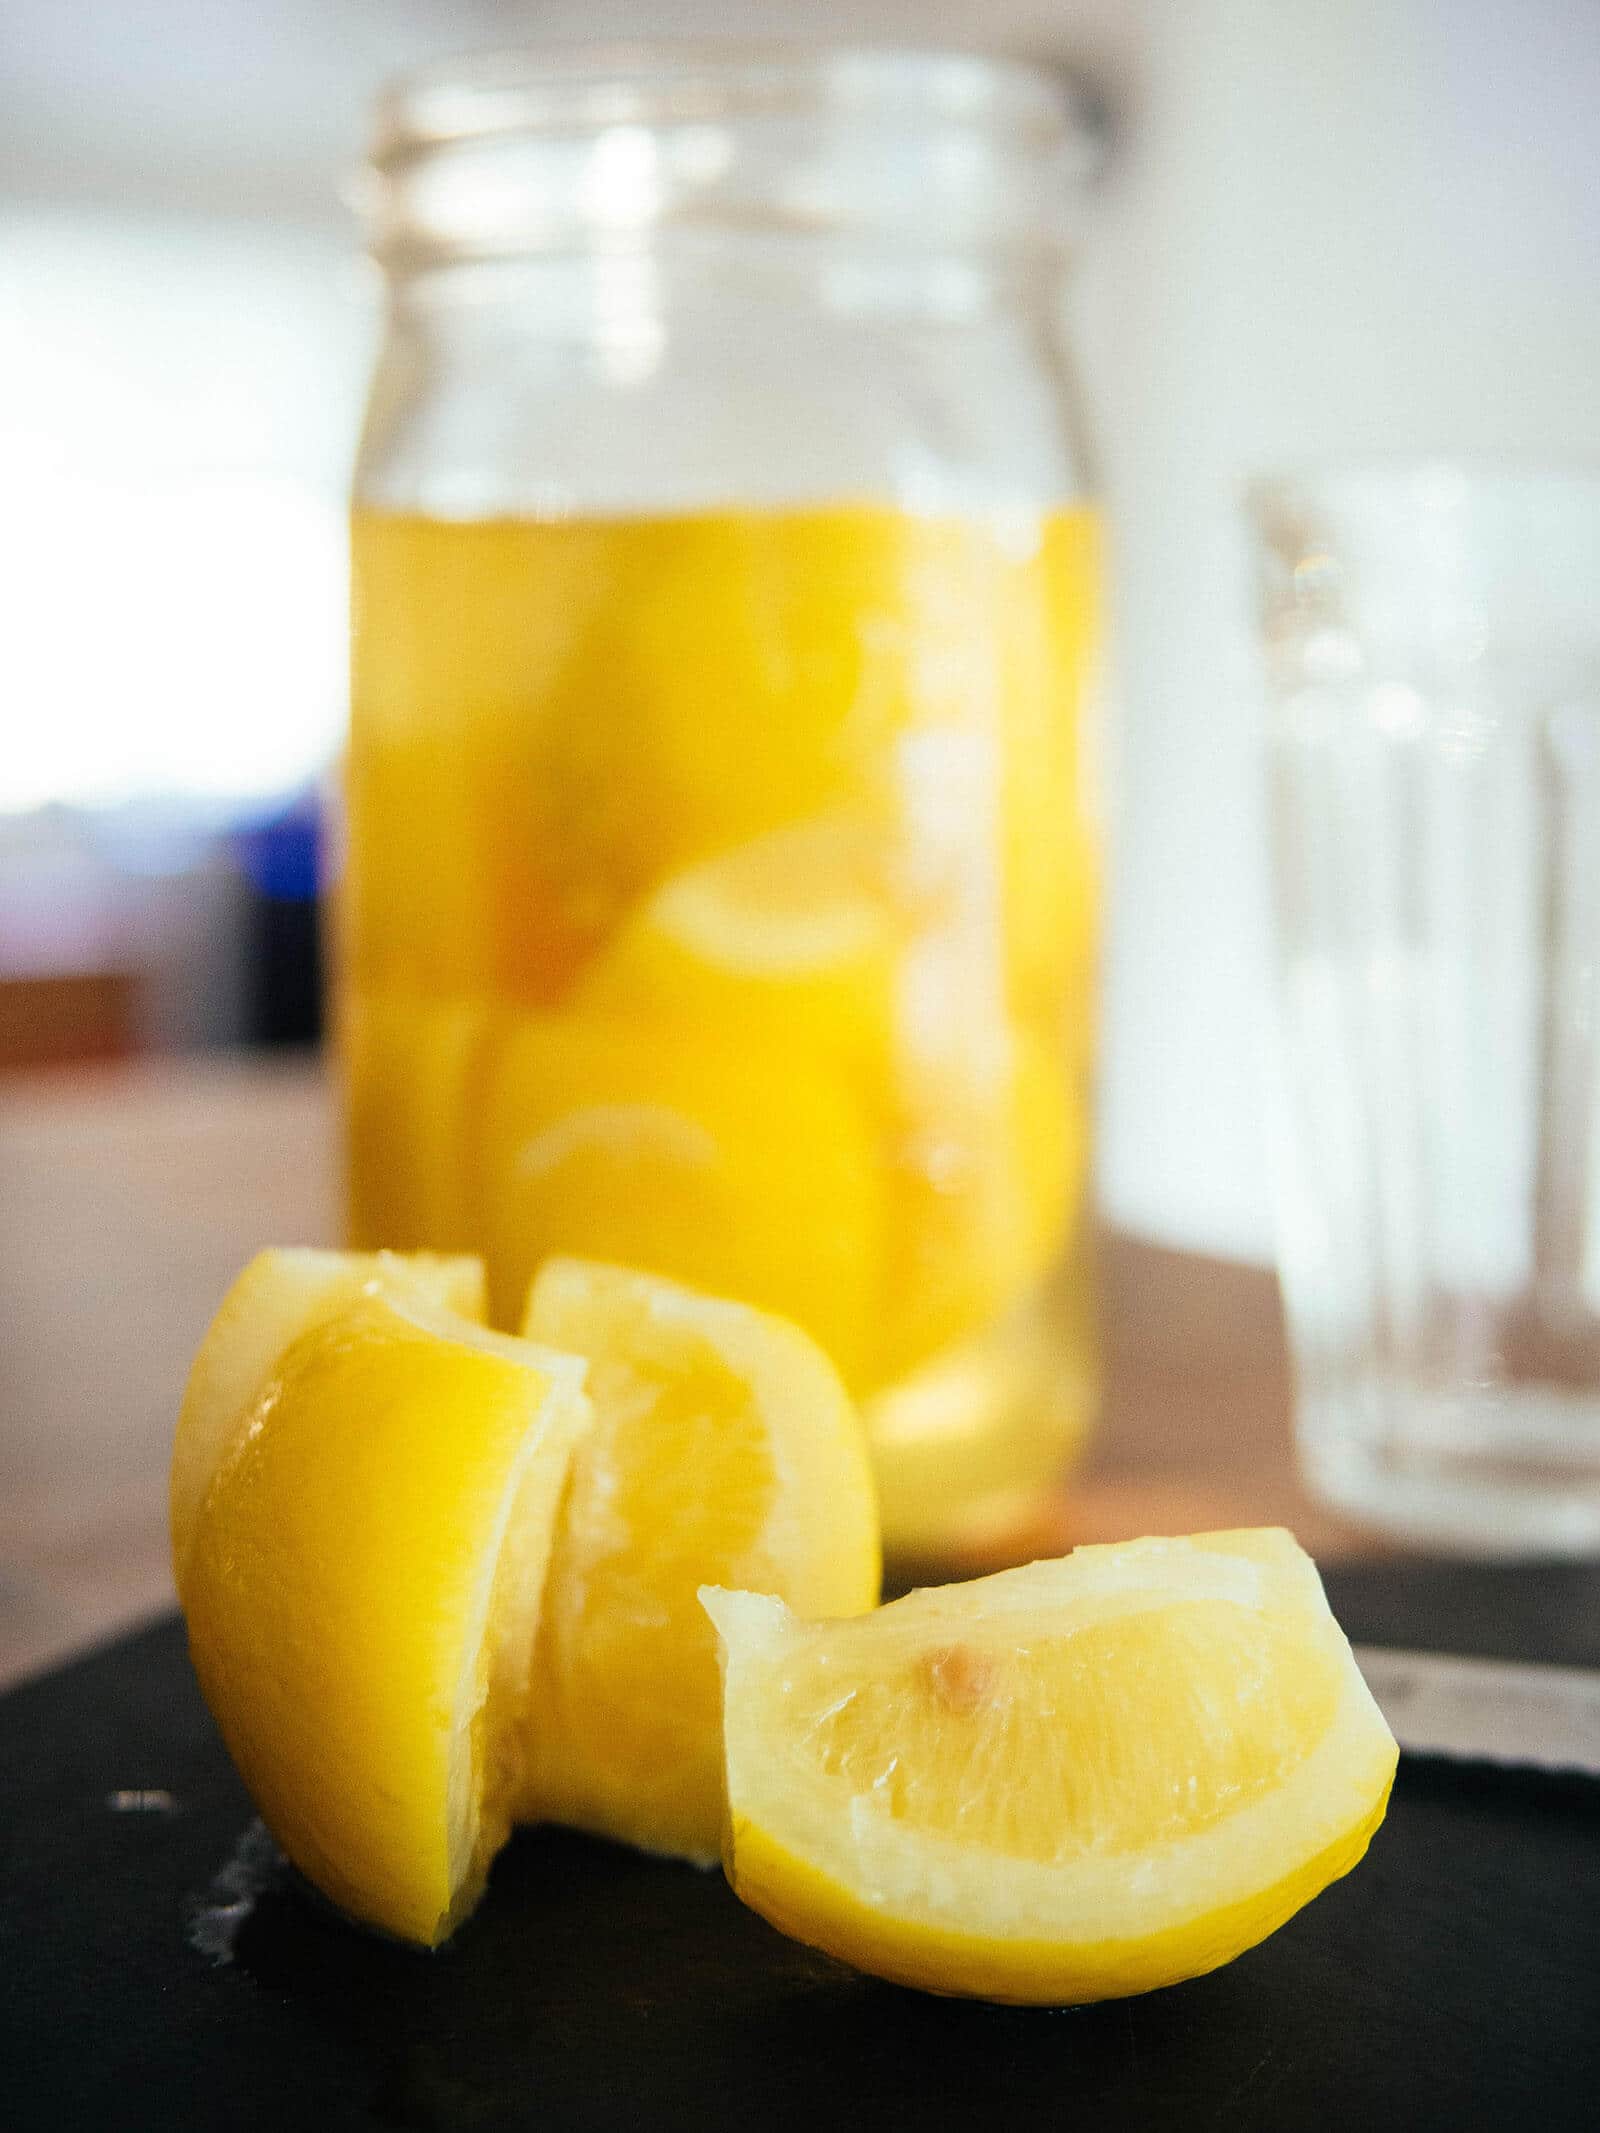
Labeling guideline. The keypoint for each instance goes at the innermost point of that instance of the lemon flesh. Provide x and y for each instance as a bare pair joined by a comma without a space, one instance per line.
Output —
283,1293
1064,1783
723,1446
362,1584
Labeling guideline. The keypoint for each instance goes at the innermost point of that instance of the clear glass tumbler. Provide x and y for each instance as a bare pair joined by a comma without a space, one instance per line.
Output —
1433,649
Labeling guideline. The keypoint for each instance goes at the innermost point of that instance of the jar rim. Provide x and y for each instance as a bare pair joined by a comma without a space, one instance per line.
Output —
555,89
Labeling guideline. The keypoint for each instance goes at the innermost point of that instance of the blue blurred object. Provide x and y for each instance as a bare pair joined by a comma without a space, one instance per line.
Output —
279,853
279,858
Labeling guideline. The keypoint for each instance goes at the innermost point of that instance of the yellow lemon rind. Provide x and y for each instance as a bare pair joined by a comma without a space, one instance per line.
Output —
283,1293
1020,1972
362,1595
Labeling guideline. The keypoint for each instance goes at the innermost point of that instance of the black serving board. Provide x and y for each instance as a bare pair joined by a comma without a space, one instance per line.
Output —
154,1975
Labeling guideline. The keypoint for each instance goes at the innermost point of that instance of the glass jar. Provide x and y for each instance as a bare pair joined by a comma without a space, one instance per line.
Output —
720,889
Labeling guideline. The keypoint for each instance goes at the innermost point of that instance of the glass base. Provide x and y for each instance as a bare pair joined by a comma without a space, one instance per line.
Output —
1482,1496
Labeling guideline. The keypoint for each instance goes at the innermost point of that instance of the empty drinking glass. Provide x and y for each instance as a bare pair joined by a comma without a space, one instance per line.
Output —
1433,649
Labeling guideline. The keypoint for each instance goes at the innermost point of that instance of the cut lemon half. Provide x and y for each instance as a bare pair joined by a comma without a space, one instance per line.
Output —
282,1294
723,1447
362,1588
1063,1783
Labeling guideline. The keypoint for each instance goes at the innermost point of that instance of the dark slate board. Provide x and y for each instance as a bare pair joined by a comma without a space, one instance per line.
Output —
1452,1982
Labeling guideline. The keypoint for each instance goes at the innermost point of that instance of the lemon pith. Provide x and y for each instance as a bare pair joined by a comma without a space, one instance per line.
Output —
1059,1784
722,1437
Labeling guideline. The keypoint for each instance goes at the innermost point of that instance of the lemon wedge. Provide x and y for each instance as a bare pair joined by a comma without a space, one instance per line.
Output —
362,1579
723,1447
281,1294
1059,1784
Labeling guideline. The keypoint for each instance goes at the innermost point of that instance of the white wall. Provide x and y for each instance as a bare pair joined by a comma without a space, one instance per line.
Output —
1350,226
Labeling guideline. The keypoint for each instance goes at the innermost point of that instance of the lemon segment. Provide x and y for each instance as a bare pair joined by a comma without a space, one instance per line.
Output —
283,1293
1064,1783
743,1169
362,1590
723,1446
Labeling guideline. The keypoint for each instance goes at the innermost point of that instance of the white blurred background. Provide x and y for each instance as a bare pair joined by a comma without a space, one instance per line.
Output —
1328,226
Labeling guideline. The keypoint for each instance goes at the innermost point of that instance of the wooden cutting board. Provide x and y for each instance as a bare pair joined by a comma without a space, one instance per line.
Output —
154,1975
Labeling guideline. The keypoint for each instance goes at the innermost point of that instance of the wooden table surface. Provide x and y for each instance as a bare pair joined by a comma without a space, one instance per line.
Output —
131,1195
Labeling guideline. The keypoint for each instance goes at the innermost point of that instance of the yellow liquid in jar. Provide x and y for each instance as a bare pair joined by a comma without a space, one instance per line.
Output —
720,898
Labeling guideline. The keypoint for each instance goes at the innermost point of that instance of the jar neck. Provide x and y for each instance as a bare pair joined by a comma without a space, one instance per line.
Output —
918,155
673,272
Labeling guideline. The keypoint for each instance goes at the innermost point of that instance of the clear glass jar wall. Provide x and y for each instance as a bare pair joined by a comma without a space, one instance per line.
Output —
721,889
